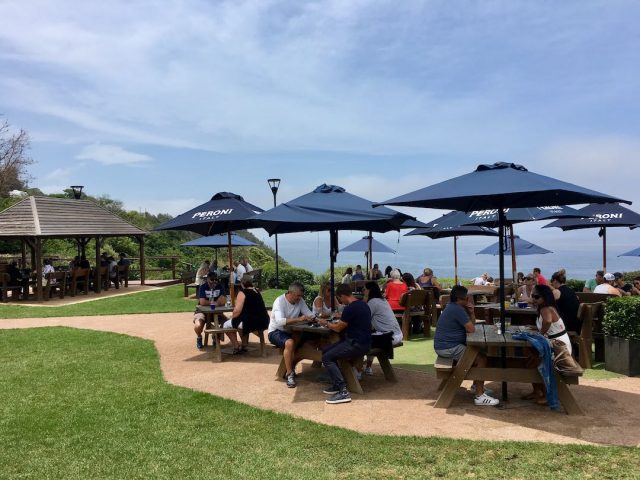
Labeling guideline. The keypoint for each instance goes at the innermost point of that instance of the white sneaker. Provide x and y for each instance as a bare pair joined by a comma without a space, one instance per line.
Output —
486,400
368,371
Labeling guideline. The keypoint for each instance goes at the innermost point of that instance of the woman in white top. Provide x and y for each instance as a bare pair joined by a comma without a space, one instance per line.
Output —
383,319
551,326
525,291
322,303
203,271
348,276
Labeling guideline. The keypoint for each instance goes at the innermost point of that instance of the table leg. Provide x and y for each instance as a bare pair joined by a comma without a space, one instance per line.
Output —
566,398
353,385
455,380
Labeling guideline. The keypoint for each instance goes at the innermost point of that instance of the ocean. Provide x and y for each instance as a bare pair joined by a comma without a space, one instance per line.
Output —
578,252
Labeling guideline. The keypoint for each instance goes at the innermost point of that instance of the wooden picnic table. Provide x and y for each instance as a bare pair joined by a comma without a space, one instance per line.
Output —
306,351
213,325
485,337
519,316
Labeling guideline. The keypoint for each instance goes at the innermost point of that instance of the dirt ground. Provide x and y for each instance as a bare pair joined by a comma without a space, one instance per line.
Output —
405,408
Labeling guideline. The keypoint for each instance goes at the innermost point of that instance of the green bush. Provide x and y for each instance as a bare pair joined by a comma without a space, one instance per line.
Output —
575,285
310,294
287,275
622,317
629,276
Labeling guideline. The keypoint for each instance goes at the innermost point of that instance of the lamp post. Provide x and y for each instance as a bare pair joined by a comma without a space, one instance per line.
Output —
77,191
274,184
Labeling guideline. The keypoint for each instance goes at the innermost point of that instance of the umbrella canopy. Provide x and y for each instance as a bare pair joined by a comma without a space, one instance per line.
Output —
501,185
219,241
489,217
224,213
436,229
362,245
330,208
523,247
631,253
600,216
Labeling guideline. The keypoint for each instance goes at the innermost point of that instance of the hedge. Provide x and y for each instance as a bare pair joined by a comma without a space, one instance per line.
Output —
622,317
287,275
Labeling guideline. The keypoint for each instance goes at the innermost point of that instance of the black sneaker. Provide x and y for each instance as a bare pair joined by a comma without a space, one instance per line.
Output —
340,397
199,343
291,380
331,390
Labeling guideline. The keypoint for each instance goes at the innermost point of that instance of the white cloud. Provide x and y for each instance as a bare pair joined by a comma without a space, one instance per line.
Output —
112,155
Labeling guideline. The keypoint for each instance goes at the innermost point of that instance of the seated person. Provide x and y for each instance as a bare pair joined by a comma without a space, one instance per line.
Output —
607,287
113,271
428,280
288,309
394,290
123,260
358,275
481,280
15,279
450,340
348,276
383,319
520,278
75,263
210,292
525,291
591,284
355,321
84,263
48,268
410,282
623,287
249,315
635,289
322,303
567,301
375,273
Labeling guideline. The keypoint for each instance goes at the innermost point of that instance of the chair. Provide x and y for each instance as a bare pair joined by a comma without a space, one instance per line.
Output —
101,277
584,338
418,304
80,277
257,276
55,281
188,279
4,286
123,275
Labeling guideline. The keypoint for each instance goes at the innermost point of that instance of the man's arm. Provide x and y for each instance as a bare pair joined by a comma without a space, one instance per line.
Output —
279,319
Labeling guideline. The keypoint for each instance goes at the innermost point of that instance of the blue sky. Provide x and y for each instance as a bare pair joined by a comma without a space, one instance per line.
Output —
163,104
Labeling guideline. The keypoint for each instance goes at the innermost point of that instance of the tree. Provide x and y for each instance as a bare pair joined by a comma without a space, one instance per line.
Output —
13,159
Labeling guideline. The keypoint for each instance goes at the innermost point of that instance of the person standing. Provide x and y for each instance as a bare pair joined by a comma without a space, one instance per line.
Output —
288,309
355,321
537,274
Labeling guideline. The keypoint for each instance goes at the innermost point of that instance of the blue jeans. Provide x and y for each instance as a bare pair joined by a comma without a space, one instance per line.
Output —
337,351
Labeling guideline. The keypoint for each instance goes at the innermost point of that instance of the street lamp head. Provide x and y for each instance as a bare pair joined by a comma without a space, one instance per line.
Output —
77,191
274,183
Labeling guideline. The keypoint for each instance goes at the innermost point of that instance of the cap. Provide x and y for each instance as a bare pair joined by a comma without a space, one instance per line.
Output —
617,275
609,276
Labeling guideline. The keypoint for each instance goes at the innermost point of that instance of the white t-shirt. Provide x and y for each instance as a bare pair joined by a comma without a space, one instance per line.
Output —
240,271
479,281
383,318
606,288
248,267
282,310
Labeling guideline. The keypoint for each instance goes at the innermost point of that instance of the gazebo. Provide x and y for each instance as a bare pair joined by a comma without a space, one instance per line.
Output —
39,218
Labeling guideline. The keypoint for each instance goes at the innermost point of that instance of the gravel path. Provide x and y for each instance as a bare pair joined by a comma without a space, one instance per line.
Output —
405,408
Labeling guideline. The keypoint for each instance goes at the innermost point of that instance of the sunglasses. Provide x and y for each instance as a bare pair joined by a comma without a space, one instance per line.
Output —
536,296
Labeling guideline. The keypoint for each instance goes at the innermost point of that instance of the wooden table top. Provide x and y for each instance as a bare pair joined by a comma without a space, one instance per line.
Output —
524,311
309,327
218,309
486,336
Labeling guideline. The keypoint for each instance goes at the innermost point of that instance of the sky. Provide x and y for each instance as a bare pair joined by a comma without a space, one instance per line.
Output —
163,104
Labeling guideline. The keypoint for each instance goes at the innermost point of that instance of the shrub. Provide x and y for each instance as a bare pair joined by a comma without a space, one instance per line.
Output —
310,294
629,276
575,285
287,275
622,318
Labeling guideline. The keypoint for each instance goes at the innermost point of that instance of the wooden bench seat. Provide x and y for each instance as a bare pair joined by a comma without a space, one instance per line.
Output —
189,286
385,364
220,331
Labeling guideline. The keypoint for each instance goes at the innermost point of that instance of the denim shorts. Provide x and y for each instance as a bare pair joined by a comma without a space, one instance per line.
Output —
278,337
453,352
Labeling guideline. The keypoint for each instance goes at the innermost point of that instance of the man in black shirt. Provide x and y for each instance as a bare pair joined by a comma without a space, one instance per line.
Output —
355,321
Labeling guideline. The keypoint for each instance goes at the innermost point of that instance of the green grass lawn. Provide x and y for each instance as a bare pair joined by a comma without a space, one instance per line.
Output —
82,404
162,300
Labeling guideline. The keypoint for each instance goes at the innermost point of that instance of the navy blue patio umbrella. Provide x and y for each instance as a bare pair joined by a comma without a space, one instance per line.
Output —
523,247
439,229
500,186
329,208
600,216
631,253
368,244
224,213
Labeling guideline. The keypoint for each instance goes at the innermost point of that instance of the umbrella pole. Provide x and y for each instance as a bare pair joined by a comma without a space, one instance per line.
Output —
230,253
513,255
455,259
604,249
501,226
370,251
333,251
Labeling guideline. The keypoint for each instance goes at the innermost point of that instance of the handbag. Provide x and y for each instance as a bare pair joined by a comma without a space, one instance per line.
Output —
563,362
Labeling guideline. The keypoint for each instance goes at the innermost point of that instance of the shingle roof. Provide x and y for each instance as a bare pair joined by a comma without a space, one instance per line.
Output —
62,218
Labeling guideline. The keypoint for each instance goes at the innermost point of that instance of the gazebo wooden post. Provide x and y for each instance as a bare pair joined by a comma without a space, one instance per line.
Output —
140,239
38,269
23,251
97,275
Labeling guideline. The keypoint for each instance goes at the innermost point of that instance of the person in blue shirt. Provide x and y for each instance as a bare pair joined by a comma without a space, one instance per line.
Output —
450,340
358,275
355,322
210,292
